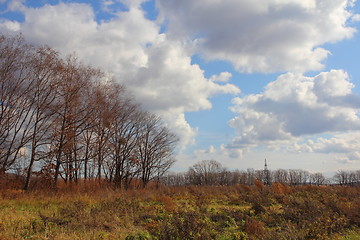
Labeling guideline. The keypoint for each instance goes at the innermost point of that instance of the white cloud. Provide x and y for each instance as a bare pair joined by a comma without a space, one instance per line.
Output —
16,5
222,154
356,18
157,70
9,26
170,80
295,106
260,35
210,150
222,77
106,4
335,84
176,121
347,144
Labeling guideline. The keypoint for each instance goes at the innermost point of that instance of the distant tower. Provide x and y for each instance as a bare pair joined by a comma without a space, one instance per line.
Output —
265,167
266,174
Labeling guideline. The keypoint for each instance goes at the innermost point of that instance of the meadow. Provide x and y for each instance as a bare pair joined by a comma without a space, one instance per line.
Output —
90,211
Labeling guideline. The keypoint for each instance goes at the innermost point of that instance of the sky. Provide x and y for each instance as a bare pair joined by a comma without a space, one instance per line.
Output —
237,80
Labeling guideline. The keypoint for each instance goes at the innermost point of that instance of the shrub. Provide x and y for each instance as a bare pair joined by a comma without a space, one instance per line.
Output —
254,227
183,225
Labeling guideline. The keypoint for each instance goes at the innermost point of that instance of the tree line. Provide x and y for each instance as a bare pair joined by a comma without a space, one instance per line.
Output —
64,120
211,172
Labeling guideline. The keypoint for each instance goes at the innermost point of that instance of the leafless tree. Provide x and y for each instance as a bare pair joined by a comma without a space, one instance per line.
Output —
343,177
206,172
44,69
155,148
123,142
297,176
73,121
280,175
105,102
15,108
72,115
318,179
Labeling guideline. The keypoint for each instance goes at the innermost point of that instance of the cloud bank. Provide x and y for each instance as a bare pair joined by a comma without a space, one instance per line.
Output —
261,35
294,107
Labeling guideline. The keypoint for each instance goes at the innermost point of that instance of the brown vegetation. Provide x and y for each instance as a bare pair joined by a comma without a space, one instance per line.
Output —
97,211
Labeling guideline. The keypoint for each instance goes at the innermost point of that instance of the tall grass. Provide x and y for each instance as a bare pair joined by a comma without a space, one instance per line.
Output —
94,210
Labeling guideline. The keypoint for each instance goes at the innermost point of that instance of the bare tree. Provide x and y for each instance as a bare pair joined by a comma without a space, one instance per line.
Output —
297,176
154,149
280,175
73,121
43,93
318,178
206,172
239,177
72,115
124,139
341,177
15,108
105,102
357,176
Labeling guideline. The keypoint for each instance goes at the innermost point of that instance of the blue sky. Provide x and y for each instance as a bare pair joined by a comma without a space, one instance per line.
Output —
237,80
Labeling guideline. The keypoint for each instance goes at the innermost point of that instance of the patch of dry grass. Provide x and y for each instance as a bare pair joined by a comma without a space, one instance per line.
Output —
88,211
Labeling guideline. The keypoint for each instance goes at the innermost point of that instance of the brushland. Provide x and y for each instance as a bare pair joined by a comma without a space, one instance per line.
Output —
90,210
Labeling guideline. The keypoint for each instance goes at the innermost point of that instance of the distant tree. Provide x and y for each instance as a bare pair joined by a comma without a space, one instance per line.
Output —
347,177
298,176
176,179
317,179
250,176
357,176
341,177
206,172
280,176
235,177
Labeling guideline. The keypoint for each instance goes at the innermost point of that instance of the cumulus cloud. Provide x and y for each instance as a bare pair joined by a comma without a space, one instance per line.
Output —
106,4
345,143
157,70
176,121
343,147
171,81
16,5
222,77
210,150
295,106
222,153
356,18
9,26
261,35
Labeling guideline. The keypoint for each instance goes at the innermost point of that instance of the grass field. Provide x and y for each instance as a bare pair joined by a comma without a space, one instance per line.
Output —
237,212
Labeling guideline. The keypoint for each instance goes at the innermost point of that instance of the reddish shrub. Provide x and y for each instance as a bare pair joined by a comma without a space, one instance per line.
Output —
254,227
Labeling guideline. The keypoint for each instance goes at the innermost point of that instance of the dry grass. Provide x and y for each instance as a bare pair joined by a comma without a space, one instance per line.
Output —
93,210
